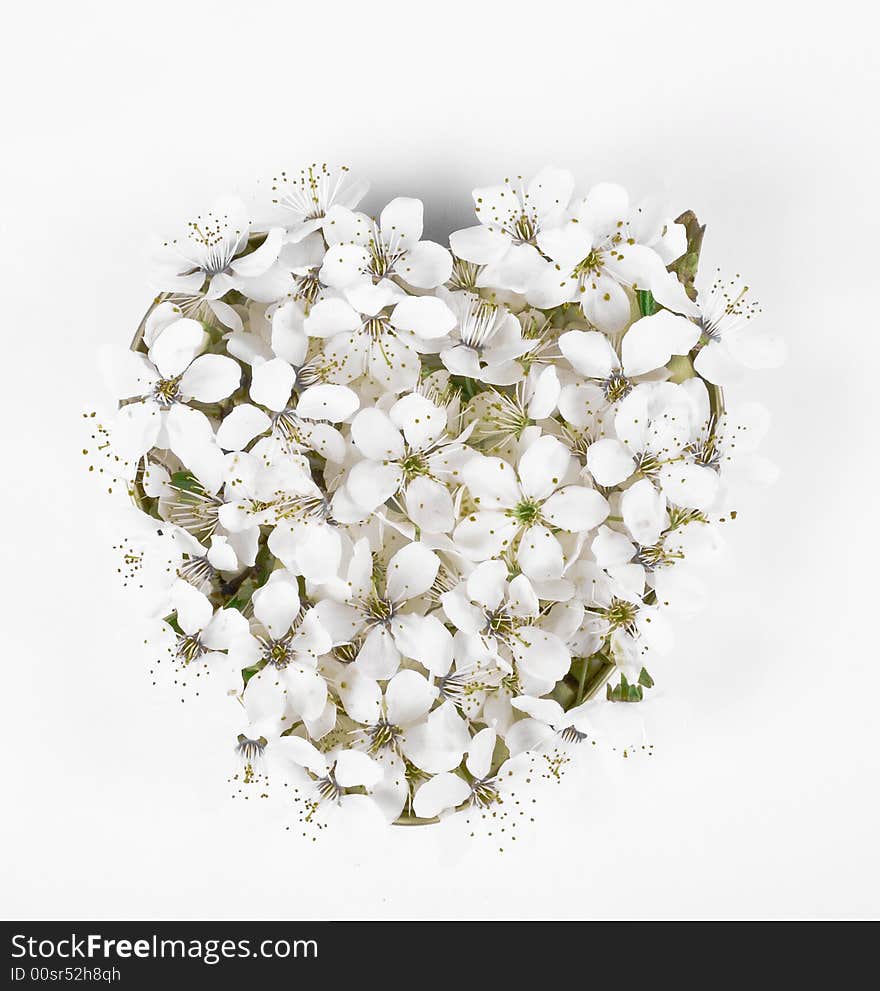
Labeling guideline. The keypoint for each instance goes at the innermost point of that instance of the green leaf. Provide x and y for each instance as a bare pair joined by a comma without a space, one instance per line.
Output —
647,303
645,679
186,481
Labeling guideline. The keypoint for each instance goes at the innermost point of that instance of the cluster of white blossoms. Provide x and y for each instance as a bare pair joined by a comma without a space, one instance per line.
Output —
432,508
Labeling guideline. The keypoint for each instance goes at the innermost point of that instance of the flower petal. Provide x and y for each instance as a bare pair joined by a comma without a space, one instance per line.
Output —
408,697
589,353
210,378
411,572
440,794
272,383
543,467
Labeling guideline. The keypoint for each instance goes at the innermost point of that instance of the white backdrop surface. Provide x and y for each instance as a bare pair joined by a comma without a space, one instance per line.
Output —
762,797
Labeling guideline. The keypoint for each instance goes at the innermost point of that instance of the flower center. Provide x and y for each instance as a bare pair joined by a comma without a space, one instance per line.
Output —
250,752
414,464
277,652
383,735
616,386
189,648
527,512
167,391
620,614
378,610
484,792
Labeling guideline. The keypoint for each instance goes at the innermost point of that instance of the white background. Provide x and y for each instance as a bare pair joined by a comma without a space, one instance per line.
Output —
120,121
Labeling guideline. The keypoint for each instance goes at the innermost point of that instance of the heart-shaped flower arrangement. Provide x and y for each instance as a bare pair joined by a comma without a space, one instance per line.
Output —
429,510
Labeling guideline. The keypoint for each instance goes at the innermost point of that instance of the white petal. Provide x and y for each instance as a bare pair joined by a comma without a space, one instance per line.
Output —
194,610
313,550
378,657
425,265
694,486
610,548
271,384
610,462
543,467
344,266
420,420
258,261
479,758
522,598
355,769
289,338
527,734
327,402
440,794
492,482
644,512
375,435
210,378
540,554
240,426
176,346
332,316
370,483
485,534
438,743
411,572
589,353
487,583
424,639
425,316
361,696
650,342
429,505
580,405
546,394
603,208
402,221
575,508
276,604
461,612
541,655
479,244
303,753
408,697
606,305
135,429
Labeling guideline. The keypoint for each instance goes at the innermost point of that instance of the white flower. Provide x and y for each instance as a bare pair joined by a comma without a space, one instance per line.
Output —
500,617
378,618
647,345
594,257
446,791
259,494
517,508
486,341
211,258
655,424
406,451
287,641
375,330
306,197
397,719
512,217
545,722
361,250
205,635
173,373
730,343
